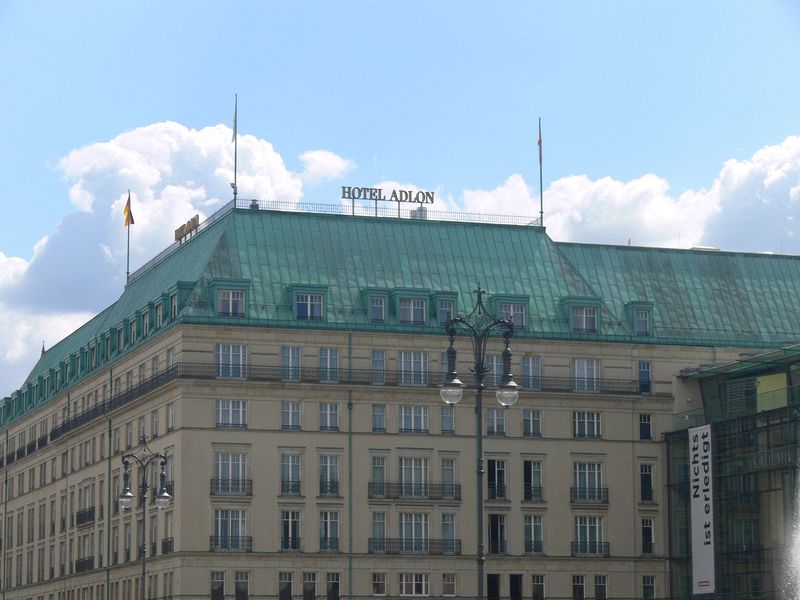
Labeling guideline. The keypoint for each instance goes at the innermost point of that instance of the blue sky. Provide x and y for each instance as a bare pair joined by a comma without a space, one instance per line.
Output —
671,123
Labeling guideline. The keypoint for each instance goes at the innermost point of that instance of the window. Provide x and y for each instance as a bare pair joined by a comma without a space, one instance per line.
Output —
132,337
497,534
328,475
414,532
173,307
533,534
333,582
644,377
494,370
379,584
448,419
531,422
170,417
159,315
290,474
446,311
414,477
285,585
154,423
232,360
586,424
290,530
230,530
448,478
641,322
648,587
329,365
328,531
538,587
584,319
587,479
413,418
290,415
578,587
171,360
645,427
646,482
230,303
231,413
496,421
414,584
448,584
531,373
230,473
413,368
378,483
128,435
379,418
309,306
412,312
589,536
242,589
377,312
496,476
586,372
328,416
217,585
145,330
378,540
378,367
600,587
532,479
309,586
514,312
647,536
290,363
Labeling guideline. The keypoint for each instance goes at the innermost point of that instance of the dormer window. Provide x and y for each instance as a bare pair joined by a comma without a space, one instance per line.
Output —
377,309
584,319
412,311
446,311
641,322
514,312
309,306
230,303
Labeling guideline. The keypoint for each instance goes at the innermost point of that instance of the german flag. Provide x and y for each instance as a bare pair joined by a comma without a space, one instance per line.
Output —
128,214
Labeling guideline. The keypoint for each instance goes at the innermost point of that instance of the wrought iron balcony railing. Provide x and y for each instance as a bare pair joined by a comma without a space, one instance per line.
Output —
328,544
84,564
290,543
497,547
534,547
533,493
497,491
328,488
231,487
410,491
590,549
231,543
413,546
290,488
168,545
85,516
588,495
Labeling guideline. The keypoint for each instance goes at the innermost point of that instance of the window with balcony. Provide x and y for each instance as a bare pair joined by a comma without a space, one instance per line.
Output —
308,306
230,474
231,413
290,363
378,367
377,543
497,534
532,478
644,377
589,537
413,418
413,477
328,475
230,531
414,532
496,477
290,415
586,424
230,303
290,530
231,360
584,319
377,484
531,372
329,365
587,481
290,474
533,534
328,416
531,422
412,311
586,374
448,533
494,370
328,531
414,368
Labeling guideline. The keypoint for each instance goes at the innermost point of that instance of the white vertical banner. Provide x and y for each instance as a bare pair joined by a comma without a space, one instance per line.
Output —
701,490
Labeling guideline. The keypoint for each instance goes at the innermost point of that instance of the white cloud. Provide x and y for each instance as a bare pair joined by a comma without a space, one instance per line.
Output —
321,165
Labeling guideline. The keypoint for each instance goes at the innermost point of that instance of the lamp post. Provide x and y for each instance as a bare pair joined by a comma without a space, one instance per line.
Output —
144,458
480,325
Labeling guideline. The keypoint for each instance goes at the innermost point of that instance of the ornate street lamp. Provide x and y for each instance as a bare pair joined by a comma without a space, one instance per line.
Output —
480,325
144,458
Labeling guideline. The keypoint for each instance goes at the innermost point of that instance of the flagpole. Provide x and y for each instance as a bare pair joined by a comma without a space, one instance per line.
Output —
235,145
128,267
541,193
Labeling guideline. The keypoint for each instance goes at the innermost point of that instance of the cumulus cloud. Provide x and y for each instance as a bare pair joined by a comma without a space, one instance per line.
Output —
173,172
321,165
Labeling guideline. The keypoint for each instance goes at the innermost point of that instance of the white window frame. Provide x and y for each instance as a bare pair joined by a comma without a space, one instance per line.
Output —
641,322
313,306
446,311
412,311
586,425
531,422
532,372
291,357
413,368
413,418
231,413
414,584
291,415
377,309
514,312
328,416
232,361
584,319
586,374
230,303
329,365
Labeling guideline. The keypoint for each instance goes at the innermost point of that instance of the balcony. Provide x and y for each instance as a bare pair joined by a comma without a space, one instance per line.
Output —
534,547
533,493
85,516
290,544
41,442
168,545
153,549
31,447
290,488
231,487
497,491
413,546
588,495
84,564
328,488
497,546
414,491
590,549
328,544
231,544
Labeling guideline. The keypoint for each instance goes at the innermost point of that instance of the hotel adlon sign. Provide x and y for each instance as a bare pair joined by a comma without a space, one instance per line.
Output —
701,503
377,194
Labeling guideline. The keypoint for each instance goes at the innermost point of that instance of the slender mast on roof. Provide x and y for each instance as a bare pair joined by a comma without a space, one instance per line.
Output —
235,146
541,193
